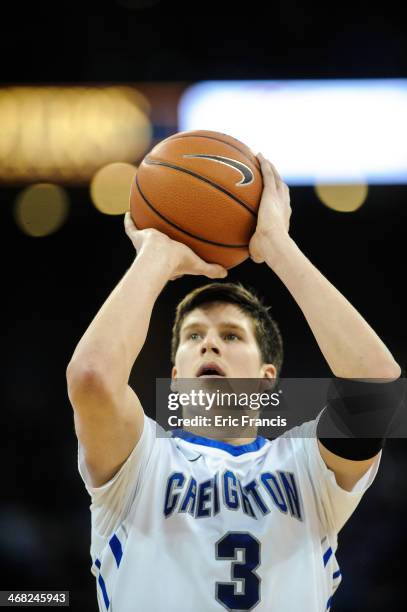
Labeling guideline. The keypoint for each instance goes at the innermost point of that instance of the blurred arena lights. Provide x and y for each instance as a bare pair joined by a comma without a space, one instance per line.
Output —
314,131
41,209
64,134
342,197
110,188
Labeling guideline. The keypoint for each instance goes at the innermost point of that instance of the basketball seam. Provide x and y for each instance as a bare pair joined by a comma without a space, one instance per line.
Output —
201,178
227,246
256,163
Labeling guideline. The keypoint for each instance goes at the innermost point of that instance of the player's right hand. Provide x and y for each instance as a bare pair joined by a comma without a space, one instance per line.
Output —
178,256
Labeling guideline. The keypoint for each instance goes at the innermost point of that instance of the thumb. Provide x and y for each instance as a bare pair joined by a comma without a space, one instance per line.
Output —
215,271
254,250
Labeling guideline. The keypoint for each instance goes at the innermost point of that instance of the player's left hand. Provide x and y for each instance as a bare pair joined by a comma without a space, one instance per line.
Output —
274,213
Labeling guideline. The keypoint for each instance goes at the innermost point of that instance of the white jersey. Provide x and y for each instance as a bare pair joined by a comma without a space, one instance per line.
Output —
190,523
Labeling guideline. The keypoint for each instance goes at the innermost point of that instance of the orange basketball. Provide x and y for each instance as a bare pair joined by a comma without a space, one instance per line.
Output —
203,189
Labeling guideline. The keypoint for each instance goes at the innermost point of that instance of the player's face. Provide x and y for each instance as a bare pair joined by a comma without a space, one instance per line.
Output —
222,334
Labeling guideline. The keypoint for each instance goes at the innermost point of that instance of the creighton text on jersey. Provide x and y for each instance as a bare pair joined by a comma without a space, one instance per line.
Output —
269,490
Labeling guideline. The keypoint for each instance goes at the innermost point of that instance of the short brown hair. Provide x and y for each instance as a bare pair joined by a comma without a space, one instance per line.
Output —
266,330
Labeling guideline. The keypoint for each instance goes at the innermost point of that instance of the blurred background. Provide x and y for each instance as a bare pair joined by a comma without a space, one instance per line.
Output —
86,90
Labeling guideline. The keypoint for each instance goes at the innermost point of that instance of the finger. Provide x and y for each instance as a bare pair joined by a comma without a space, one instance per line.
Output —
286,191
128,222
279,180
257,260
256,257
213,271
132,232
217,272
276,172
268,175
253,251
198,266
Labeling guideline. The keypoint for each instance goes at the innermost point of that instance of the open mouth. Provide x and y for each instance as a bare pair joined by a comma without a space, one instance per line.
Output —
211,376
210,370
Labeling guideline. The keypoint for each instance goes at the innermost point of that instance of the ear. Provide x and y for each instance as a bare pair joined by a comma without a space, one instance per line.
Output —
269,370
173,379
269,374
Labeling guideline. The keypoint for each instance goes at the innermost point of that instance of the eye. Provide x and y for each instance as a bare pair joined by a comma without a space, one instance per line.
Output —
234,335
193,334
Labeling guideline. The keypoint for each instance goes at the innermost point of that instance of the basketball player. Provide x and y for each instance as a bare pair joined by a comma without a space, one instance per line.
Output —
191,524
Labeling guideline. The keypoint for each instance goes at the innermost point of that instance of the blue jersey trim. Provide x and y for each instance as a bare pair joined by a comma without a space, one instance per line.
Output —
104,592
229,448
327,556
102,585
116,549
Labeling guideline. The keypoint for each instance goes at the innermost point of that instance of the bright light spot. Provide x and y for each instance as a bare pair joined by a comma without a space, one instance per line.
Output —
110,188
343,198
314,131
41,209
65,134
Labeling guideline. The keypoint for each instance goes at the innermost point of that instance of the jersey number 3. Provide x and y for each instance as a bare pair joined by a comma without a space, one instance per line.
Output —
243,593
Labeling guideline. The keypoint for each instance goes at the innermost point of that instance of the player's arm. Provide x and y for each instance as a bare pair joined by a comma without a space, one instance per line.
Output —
350,346
108,414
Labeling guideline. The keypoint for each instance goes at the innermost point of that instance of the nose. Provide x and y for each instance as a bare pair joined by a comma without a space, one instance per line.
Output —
209,344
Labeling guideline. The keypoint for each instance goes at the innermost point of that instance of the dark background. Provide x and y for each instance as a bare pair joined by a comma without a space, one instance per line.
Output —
53,286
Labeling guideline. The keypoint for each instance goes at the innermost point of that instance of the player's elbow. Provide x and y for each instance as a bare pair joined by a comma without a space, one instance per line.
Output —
383,371
389,371
84,380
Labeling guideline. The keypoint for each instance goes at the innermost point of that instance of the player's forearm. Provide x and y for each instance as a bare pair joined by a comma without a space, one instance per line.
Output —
350,346
115,337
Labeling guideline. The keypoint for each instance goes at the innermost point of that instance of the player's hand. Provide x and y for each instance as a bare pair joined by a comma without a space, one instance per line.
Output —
273,219
179,258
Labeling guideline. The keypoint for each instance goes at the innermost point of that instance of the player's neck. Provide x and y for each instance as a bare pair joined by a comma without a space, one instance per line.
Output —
210,434
237,441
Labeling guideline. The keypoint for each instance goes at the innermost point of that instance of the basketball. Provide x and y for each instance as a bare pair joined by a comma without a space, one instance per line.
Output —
201,188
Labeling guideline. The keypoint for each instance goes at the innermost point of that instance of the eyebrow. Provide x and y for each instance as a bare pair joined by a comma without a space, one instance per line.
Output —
227,324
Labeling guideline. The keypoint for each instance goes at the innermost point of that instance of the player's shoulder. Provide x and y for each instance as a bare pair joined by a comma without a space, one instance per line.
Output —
298,439
165,439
